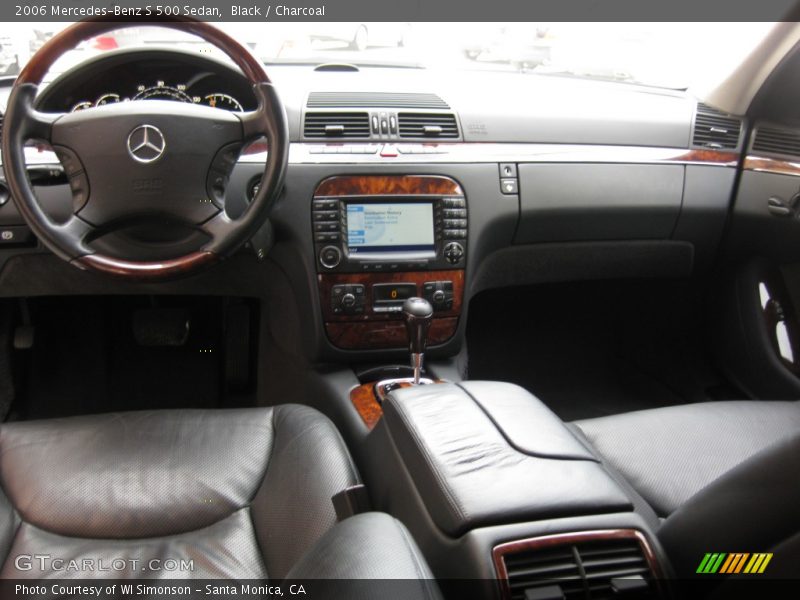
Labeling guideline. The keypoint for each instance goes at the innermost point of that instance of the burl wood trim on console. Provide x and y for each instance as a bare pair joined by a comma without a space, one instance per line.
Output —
567,539
328,280
366,403
371,330
388,185
385,334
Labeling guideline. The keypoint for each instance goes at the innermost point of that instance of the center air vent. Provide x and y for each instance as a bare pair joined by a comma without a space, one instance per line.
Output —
715,129
375,100
427,125
353,125
774,140
585,566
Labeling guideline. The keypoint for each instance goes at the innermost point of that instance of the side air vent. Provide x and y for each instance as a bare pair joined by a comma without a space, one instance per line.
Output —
715,129
353,125
374,100
1,125
583,567
427,125
774,140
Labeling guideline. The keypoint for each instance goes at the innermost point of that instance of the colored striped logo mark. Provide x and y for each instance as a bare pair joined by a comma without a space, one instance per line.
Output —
734,562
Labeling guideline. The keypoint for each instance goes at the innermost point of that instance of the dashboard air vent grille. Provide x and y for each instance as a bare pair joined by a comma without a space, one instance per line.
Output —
774,140
592,569
427,125
336,125
715,129
374,100
1,126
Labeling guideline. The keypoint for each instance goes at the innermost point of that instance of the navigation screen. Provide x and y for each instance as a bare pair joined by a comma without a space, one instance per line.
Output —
395,227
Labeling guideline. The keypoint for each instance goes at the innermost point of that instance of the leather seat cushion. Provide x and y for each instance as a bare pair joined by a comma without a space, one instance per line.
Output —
669,454
138,474
244,492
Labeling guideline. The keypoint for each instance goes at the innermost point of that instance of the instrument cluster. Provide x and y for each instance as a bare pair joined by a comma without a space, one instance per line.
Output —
162,91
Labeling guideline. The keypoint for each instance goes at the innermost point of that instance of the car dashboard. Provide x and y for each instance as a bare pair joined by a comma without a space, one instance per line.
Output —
464,184
618,258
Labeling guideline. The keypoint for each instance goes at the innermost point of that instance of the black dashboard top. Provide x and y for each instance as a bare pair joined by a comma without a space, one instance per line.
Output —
491,107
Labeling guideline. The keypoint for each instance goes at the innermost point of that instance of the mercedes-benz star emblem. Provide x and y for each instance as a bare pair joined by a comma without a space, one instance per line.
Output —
146,144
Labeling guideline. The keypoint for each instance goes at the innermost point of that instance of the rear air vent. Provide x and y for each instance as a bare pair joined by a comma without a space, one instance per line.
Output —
374,100
715,129
353,125
544,569
427,125
584,567
774,140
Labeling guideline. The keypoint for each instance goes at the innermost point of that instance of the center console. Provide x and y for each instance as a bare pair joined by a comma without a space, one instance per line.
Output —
380,240
492,483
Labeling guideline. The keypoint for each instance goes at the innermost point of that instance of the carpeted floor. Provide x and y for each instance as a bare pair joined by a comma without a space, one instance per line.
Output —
595,349
86,359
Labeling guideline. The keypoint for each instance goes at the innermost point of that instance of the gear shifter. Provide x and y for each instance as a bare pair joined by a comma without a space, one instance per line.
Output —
418,314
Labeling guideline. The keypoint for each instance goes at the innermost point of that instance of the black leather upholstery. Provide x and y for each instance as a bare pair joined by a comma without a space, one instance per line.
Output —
722,474
368,546
755,505
241,493
670,454
474,464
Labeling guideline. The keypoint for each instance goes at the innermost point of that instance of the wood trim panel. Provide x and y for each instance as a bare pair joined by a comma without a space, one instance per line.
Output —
771,165
388,185
328,280
366,404
147,271
492,152
715,157
564,539
66,40
385,334
365,401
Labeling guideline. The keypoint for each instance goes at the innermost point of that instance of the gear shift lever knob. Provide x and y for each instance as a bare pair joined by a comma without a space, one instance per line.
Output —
418,314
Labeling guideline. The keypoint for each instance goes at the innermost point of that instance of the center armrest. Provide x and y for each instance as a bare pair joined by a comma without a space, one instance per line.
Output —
488,453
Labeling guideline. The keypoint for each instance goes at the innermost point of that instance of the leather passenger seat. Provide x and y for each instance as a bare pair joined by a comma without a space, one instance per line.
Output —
242,494
712,477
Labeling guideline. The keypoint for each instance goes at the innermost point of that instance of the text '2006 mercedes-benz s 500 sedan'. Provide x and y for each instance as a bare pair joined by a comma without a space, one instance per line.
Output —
361,310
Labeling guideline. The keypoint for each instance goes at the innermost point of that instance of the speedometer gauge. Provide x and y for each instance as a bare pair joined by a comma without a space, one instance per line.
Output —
224,101
161,91
107,99
82,106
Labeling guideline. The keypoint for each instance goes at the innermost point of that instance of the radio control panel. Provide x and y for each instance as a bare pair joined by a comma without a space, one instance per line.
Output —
386,232
379,240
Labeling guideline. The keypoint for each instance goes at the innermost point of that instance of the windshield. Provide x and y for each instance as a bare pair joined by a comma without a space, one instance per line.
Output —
654,54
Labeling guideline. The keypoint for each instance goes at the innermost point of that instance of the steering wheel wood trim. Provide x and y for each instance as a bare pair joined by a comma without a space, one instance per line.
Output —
148,271
24,122
37,67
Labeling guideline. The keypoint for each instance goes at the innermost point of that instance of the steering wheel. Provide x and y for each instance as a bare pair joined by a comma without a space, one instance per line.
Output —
154,159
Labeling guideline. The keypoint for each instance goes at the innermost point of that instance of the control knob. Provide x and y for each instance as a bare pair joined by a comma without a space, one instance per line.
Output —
453,252
330,257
